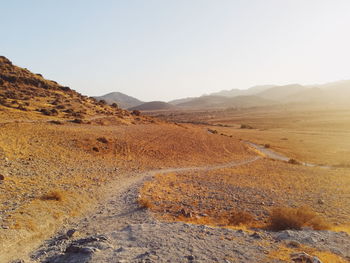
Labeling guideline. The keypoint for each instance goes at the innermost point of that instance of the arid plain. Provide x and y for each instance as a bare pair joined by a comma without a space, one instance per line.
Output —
80,179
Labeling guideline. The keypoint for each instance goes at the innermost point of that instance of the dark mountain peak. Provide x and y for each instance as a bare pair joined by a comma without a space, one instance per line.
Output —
123,100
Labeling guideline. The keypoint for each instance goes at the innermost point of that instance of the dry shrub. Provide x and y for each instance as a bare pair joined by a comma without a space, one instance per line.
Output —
145,203
296,218
102,139
53,195
56,122
293,161
78,121
246,126
136,113
240,218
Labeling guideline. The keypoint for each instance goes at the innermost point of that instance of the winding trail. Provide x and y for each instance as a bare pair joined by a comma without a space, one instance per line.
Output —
121,214
277,156
120,231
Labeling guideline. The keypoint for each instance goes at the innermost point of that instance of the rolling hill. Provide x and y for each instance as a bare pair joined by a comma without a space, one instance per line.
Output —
241,92
256,96
179,101
25,95
226,102
124,101
153,105
278,93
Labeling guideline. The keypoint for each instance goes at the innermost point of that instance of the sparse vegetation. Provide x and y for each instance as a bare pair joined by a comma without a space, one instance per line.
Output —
145,203
246,126
53,195
102,102
296,218
240,196
213,131
56,122
102,139
240,218
36,96
136,112
78,121
293,161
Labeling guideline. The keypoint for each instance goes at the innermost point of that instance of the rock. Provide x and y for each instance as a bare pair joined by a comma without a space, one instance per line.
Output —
190,257
89,250
121,249
310,240
256,235
2,177
284,235
79,249
304,258
320,201
293,244
71,232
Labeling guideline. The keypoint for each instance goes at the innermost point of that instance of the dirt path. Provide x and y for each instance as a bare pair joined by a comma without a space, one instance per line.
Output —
119,230
277,156
120,211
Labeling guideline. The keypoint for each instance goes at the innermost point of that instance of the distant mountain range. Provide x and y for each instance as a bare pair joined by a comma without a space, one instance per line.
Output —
243,92
329,93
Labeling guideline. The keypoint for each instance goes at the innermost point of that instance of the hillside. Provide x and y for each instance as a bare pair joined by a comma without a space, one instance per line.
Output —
122,100
256,96
239,92
179,101
61,153
154,105
25,95
226,102
269,95
280,92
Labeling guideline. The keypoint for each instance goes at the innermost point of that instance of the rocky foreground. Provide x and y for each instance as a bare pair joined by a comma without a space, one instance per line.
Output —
121,231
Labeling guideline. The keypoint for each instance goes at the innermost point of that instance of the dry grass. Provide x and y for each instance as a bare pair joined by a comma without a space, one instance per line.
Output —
57,162
240,218
145,203
55,195
309,134
283,254
296,218
215,197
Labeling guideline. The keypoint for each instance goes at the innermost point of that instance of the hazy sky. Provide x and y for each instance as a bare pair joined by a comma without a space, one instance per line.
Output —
162,49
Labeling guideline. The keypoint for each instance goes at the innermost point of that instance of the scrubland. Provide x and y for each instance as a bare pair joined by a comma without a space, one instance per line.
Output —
56,172
63,157
266,194
253,191
313,134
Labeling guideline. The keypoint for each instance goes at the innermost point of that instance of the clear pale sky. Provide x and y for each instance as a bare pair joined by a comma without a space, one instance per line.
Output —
167,49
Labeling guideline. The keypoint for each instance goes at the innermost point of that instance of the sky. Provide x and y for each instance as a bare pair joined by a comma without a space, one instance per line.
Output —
164,50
